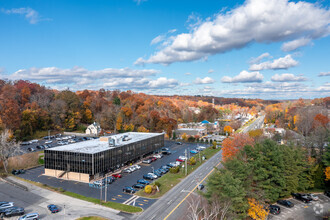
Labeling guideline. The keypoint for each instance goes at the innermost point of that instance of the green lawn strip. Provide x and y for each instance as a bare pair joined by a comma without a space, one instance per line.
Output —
169,180
110,204
91,218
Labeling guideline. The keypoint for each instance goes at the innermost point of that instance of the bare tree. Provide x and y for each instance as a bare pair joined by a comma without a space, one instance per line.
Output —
199,208
8,148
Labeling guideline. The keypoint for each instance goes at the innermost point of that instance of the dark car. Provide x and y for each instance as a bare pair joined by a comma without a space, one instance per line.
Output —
179,143
117,175
142,181
16,172
167,168
301,197
13,211
274,209
138,186
285,203
30,149
40,147
327,193
53,208
200,187
110,179
166,152
128,189
163,171
158,173
147,177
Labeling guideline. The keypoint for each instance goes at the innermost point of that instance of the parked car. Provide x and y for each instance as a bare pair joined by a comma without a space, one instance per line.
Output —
147,161
128,189
132,168
167,168
162,171
193,151
301,197
16,172
285,203
71,141
61,143
110,179
30,149
58,138
6,205
117,175
183,158
313,196
166,152
274,209
179,160
25,143
327,193
34,141
142,181
138,186
53,208
127,170
179,143
30,216
176,163
148,177
170,165
153,175
158,173
165,149
158,156
153,158
201,147
13,211
137,166
40,147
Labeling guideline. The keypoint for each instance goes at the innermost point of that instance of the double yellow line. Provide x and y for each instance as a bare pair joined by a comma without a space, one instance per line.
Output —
191,192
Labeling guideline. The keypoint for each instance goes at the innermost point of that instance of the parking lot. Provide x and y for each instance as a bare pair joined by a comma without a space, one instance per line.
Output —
302,211
114,190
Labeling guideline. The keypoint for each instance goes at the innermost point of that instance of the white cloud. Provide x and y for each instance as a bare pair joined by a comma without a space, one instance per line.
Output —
287,77
206,80
78,78
261,21
31,15
280,63
162,37
211,71
295,44
244,77
188,74
259,58
324,74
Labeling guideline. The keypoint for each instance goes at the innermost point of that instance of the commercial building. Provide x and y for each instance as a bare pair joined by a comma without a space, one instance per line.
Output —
88,160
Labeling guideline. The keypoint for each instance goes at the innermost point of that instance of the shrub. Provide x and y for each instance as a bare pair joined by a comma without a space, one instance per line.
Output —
61,189
175,169
157,183
41,159
192,161
148,189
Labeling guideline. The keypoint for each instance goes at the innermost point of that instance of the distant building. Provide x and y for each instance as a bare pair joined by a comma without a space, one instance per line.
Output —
191,131
93,129
90,160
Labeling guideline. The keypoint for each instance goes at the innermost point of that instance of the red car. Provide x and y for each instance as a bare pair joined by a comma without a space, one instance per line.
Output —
152,158
118,175
179,160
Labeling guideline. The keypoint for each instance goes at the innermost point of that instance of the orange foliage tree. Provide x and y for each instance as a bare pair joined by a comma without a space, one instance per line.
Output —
227,129
321,120
256,210
327,173
232,144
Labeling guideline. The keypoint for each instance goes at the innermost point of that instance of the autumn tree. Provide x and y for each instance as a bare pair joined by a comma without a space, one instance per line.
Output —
257,210
228,129
8,147
233,144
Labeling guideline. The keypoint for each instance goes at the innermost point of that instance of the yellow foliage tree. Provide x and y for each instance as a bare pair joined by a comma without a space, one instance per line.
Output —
119,123
327,173
256,210
142,129
184,136
148,189
227,129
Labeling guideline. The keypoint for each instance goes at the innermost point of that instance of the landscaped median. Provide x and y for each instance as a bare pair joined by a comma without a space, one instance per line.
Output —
110,204
169,180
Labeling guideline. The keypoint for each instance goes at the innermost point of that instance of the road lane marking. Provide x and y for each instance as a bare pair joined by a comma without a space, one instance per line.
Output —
191,192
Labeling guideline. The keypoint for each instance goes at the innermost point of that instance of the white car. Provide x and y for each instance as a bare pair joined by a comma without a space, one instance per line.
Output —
6,205
201,147
65,138
127,170
34,141
183,158
153,175
48,142
58,139
29,216
132,168
61,143
313,196
177,163
137,167
158,156
71,141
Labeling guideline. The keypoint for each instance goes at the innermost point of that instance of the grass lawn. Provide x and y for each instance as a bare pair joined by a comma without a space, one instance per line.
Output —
91,218
169,180
110,204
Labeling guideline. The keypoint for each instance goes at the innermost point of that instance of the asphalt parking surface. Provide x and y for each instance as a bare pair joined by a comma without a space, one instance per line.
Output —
114,190
304,211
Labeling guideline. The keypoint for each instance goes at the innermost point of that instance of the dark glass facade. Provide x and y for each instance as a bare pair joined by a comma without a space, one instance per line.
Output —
101,162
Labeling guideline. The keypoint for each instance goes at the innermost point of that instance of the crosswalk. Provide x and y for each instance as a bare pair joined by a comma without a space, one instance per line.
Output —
131,200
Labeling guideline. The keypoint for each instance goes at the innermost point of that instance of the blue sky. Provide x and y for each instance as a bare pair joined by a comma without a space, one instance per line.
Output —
270,49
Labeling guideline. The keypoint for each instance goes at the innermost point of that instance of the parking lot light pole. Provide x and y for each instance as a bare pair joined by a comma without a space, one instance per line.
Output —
106,188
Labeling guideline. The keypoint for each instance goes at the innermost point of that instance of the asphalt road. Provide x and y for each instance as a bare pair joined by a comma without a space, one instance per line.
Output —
170,205
257,124
114,190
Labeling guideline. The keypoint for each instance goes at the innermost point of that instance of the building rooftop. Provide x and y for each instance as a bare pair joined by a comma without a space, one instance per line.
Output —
101,144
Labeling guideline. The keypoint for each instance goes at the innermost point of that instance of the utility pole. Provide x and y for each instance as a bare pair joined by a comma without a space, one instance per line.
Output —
185,152
106,188
101,191
48,134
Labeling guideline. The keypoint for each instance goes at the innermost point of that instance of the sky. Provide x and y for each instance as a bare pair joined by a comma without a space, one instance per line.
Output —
268,49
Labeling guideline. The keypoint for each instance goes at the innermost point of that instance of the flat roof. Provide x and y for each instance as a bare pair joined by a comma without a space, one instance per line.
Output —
95,145
191,129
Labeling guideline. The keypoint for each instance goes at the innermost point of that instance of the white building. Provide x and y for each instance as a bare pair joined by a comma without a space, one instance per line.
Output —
93,129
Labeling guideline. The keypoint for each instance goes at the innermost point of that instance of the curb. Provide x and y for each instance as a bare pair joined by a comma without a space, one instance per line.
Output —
13,183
